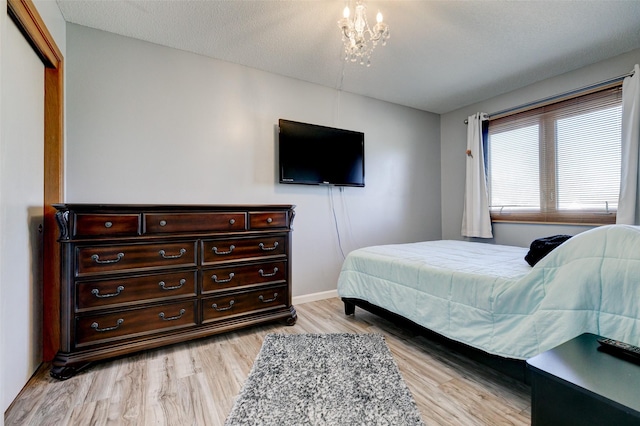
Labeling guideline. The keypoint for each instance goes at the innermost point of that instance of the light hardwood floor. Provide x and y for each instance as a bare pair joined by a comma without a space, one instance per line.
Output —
195,383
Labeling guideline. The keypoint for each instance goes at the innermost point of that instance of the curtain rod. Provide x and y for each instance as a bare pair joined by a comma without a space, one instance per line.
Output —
559,96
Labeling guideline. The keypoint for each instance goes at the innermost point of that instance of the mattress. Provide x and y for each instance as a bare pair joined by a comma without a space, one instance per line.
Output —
488,297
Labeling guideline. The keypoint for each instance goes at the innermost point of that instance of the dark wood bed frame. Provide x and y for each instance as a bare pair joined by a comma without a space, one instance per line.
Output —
514,368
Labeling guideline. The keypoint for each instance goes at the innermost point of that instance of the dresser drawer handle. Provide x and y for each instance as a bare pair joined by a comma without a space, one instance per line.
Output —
214,277
263,300
161,315
275,245
262,274
96,292
269,220
172,256
96,259
163,223
95,326
108,224
162,284
215,306
231,248
232,221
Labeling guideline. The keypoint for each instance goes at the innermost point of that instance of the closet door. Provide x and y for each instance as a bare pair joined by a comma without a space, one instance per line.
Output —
21,209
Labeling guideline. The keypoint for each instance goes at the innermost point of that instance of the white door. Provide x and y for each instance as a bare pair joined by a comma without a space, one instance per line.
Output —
21,212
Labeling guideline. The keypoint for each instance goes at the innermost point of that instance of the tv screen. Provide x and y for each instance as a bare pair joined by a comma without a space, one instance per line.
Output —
316,155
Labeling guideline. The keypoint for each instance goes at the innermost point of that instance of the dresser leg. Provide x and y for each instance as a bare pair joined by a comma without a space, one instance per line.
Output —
64,372
293,318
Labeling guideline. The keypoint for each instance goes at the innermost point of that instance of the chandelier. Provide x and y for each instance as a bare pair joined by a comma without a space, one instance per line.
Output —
360,40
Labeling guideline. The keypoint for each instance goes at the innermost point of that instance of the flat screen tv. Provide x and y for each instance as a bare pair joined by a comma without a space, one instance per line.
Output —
316,155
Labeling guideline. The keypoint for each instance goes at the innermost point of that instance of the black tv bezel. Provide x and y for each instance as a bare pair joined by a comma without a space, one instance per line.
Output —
351,133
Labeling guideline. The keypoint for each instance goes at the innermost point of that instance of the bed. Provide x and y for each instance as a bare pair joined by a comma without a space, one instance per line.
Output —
487,297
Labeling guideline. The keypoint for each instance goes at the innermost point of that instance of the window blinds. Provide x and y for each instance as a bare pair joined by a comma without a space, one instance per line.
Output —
559,158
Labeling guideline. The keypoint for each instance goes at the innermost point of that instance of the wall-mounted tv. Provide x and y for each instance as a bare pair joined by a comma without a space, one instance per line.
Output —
316,155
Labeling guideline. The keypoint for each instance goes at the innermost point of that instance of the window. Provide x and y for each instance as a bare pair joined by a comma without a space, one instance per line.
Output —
559,162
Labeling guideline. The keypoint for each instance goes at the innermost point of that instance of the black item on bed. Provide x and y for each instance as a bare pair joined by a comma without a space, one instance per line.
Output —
543,246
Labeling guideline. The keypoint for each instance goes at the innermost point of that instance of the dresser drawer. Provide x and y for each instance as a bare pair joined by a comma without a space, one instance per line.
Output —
266,220
135,322
242,275
134,289
164,223
242,303
101,259
89,225
215,251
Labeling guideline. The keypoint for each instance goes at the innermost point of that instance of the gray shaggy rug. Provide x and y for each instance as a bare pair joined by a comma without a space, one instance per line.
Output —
324,379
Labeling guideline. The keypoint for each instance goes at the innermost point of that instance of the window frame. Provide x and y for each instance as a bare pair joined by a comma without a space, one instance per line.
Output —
545,114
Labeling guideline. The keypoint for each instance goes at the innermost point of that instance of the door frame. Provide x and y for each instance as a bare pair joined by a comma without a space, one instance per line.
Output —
31,25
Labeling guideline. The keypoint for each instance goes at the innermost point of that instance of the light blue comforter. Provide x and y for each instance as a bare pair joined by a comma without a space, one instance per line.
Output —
488,297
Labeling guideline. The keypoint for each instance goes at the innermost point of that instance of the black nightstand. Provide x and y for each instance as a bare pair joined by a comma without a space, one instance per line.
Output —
577,384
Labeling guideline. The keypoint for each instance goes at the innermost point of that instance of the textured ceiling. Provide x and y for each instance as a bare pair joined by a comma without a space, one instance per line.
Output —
442,55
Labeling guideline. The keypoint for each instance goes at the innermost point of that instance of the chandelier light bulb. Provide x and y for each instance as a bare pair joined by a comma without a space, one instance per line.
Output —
379,17
346,12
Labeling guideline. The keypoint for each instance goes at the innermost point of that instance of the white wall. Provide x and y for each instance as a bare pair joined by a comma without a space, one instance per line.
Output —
21,196
453,146
150,124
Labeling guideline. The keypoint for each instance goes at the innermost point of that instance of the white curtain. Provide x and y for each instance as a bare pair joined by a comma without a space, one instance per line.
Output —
629,202
476,220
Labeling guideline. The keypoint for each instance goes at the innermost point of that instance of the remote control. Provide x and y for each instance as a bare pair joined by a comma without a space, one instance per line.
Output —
618,347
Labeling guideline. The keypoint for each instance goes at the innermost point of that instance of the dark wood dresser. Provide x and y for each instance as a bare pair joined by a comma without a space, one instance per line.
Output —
135,277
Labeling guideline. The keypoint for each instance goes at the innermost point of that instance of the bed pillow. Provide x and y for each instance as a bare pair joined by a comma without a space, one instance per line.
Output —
543,246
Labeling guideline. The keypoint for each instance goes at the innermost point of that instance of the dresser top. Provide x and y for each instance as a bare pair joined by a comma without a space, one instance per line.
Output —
80,207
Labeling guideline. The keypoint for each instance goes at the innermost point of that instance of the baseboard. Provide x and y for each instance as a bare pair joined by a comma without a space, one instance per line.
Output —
306,298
